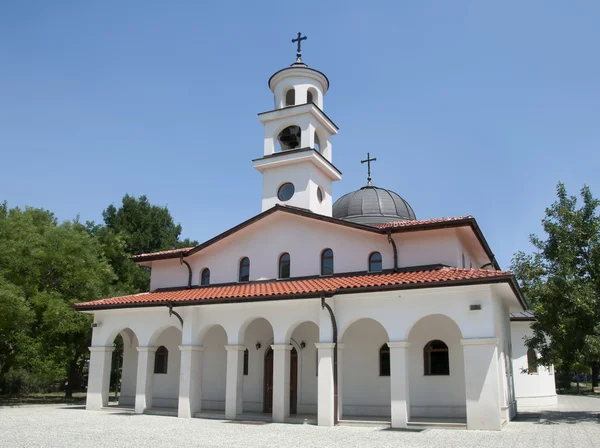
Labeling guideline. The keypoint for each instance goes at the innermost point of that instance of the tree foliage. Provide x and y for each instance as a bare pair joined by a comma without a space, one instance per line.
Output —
46,266
561,281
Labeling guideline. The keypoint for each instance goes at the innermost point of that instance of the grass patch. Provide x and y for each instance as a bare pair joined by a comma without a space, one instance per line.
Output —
47,398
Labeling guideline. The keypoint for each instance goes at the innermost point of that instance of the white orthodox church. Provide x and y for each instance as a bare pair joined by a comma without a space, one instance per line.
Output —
323,312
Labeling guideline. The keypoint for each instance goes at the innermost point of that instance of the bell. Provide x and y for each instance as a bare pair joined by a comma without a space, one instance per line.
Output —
290,137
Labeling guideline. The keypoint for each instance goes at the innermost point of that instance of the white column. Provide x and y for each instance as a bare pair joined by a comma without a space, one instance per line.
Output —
281,381
190,380
399,383
325,413
234,385
99,377
145,373
340,349
481,383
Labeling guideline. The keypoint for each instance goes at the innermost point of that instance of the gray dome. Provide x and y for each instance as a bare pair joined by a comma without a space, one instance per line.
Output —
372,205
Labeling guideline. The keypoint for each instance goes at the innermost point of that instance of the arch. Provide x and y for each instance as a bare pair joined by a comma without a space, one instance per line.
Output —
437,384
365,389
154,338
327,262
257,336
200,338
244,270
317,142
532,362
123,377
435,358
375,262
290,97
284,266
214,338
205,277
167,364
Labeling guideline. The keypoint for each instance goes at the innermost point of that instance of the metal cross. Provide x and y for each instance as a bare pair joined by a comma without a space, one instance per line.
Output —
299,40
368,162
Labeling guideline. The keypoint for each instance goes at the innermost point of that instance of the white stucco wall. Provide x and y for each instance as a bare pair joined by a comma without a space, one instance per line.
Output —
304,239
530,389
214,368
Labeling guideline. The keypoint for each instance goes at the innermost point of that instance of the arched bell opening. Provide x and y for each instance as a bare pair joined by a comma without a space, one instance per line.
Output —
317,142
289,138
290,97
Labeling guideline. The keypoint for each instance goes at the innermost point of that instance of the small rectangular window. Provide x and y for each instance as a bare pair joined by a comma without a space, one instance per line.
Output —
246,355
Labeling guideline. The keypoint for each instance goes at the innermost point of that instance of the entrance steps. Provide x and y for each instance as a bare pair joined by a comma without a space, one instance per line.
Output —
168,412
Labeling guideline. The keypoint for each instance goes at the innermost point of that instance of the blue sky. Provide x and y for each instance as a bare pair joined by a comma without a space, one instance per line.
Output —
470,107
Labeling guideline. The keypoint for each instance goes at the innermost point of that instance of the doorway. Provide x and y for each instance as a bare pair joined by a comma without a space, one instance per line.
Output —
268,381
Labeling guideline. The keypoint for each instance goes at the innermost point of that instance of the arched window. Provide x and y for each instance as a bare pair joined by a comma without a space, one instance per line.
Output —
309,97
161,359
384,360
246,355
290,97
375,262
436,360
205,277
244,269
312,96
327,262
284,265
317,143
532,362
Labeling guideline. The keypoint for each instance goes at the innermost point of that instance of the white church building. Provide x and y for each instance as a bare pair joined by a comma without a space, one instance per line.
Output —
327,312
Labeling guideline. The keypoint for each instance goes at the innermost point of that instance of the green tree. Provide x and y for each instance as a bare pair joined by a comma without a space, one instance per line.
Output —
144,227
45,267
561,280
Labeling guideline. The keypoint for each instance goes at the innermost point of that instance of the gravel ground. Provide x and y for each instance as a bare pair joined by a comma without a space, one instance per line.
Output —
573,423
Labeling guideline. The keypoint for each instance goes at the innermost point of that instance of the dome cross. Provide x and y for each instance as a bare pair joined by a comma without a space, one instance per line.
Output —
299,39
368,161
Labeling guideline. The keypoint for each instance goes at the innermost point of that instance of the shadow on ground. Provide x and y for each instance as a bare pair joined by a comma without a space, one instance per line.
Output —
558,417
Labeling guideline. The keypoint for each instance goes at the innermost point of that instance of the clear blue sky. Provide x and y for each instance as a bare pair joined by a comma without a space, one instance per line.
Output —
470,107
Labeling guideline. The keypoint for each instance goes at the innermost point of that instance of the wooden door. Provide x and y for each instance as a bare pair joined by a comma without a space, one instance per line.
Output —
293,381
268,386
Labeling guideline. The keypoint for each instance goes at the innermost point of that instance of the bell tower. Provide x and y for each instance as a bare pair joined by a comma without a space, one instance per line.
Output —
297,163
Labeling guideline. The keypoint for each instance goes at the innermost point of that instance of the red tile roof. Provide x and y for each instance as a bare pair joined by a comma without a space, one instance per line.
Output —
277,289
419,222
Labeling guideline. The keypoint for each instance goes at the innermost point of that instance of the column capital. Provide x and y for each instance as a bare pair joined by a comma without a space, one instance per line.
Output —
324,345
233,348
479,341
102,348
191,348
282,347
147,349
398,344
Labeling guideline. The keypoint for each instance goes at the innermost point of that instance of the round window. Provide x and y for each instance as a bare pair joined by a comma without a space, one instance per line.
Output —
286,191
320,194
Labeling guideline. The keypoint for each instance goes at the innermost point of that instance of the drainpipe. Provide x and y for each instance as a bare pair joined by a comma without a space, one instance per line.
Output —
182,261
177,315
335,358
393,243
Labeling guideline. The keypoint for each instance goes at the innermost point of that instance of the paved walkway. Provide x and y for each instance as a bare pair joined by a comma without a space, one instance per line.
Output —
573,423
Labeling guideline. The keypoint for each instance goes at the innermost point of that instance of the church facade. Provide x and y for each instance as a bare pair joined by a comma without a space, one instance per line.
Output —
353,310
